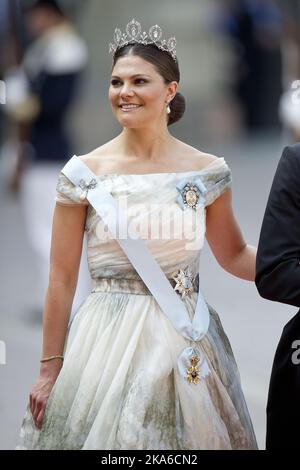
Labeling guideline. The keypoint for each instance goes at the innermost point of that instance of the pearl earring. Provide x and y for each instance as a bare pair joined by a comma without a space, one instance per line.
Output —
168,108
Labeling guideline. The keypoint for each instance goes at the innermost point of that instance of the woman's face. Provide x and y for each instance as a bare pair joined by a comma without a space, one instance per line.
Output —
138,93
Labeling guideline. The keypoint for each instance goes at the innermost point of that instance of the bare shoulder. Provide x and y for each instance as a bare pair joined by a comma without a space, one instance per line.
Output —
97,157
197,158
205,158
89,160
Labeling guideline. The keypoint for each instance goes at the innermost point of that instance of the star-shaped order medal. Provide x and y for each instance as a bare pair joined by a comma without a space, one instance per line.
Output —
191,193
184,282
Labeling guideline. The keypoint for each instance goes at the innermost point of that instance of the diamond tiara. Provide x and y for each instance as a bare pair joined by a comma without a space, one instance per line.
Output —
134,35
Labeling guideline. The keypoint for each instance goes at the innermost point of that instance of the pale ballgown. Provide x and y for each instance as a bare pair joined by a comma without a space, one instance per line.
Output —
119,387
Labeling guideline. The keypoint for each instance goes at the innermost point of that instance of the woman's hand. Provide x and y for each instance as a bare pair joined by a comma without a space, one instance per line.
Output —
41,390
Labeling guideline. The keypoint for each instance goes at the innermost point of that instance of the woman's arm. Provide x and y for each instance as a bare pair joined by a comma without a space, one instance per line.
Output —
226,239
278,256
65,255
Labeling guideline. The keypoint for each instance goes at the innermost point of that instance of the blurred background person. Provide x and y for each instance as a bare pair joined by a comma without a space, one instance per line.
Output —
40,92
3,35
255,28
289,109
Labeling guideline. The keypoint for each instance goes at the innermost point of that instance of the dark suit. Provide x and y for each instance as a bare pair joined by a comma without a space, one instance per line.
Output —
278,279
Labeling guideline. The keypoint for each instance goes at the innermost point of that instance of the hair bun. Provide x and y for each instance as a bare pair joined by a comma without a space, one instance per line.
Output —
177,107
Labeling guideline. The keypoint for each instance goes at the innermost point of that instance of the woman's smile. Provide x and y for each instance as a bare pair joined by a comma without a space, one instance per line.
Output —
129,107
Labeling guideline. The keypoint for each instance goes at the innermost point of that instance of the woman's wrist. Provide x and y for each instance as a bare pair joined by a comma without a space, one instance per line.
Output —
51,358
52,367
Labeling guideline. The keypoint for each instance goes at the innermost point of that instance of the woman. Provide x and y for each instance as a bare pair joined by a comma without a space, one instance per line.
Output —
129,379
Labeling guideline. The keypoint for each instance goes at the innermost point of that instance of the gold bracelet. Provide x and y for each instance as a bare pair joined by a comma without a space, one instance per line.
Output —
46,359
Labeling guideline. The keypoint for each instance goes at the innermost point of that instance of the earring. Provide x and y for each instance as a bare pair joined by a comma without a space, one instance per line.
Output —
168,108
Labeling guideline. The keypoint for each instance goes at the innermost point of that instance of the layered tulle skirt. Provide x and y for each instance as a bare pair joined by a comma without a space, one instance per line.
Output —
120,388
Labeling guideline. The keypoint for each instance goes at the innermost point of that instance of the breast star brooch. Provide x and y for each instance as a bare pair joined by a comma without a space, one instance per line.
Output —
86,186
184,282
191,193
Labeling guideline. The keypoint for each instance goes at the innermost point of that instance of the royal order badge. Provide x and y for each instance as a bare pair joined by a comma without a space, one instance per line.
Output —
193,372
192,365
192,193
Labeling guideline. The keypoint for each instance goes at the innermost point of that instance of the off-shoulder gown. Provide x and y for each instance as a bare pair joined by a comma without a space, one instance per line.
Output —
119,387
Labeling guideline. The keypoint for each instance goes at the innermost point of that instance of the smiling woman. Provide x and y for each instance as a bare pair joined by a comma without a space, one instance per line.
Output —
154,88
147,364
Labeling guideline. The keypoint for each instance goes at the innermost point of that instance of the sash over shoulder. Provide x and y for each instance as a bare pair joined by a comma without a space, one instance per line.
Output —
77,185
67,193
149,270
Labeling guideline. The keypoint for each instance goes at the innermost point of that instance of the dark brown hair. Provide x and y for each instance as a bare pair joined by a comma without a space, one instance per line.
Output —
165,66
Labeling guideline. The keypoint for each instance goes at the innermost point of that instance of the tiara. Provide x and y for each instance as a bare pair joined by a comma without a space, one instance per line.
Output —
134,34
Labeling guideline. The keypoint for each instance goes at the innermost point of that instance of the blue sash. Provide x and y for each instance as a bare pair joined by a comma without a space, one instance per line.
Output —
191,363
